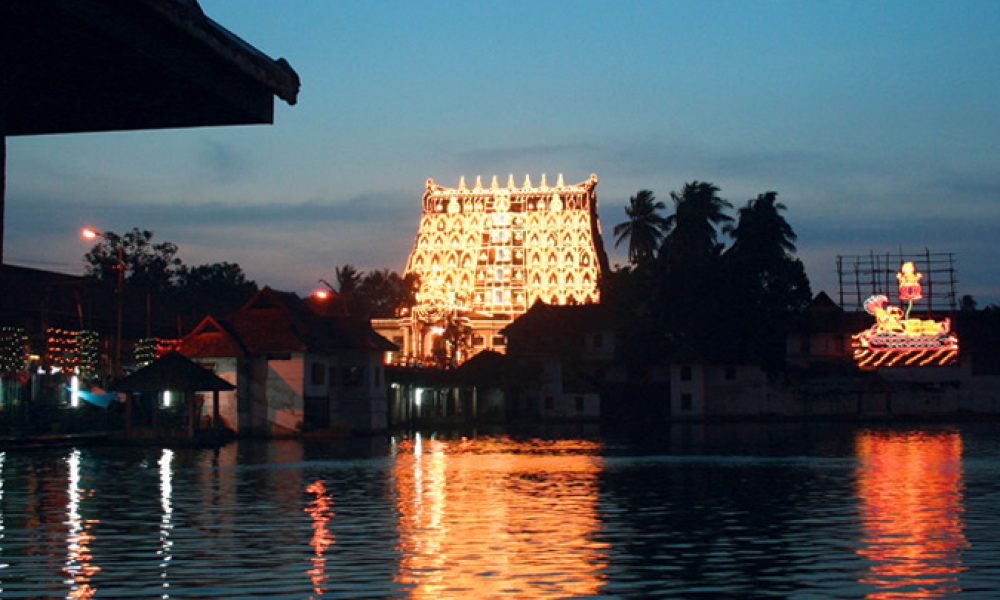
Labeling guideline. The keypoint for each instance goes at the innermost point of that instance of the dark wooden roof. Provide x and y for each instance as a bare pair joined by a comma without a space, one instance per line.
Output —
274,321
172,372
102,65
555,319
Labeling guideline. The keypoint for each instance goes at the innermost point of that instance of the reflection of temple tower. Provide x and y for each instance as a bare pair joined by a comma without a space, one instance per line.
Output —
493,518
484,254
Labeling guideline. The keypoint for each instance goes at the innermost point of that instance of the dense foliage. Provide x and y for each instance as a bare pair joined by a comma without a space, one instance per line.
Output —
697,299
378,293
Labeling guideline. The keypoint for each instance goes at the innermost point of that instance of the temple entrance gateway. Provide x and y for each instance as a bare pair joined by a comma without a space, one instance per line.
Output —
485,254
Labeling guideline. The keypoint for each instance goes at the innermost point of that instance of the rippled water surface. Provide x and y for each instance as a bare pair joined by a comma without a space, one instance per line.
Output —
722,510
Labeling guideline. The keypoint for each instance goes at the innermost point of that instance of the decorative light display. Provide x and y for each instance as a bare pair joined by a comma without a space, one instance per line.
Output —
149,349
485,254
13,350
495,250
70,350
897,340
88,351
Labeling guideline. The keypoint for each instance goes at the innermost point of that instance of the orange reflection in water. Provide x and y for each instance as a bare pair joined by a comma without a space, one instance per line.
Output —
497,517
320,510
910,489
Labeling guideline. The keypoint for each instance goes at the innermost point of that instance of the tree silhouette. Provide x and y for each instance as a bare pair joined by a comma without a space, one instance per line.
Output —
761,258
147,266
693,228
381,292
216,288
348,279
762,233
644,229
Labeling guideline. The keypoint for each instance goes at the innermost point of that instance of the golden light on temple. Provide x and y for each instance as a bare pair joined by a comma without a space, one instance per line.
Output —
909,485
485,254
494,518
895,339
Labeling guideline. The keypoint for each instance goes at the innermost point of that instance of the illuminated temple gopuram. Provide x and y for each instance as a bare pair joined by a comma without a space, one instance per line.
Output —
484,254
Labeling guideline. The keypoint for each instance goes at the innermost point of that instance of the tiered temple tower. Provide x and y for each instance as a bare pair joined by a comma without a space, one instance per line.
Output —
485,254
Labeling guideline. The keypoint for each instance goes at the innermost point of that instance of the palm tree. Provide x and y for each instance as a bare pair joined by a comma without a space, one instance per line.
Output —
644,229
692,229
770,278
348,279
762,233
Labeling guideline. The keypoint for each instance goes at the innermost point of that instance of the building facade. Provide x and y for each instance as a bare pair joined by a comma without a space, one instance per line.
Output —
294,369
484,254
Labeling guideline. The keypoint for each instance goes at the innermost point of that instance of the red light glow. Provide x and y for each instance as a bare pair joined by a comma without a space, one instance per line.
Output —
89,233
321,294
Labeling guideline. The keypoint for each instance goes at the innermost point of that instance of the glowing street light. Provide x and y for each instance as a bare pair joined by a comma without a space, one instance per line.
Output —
91,234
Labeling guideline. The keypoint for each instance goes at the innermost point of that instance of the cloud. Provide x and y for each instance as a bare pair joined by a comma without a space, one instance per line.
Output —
223,162
38,211
504,155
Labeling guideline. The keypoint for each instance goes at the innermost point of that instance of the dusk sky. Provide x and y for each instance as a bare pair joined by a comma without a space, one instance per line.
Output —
878,124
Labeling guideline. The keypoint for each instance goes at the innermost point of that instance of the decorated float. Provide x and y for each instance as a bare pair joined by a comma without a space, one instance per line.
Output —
896,340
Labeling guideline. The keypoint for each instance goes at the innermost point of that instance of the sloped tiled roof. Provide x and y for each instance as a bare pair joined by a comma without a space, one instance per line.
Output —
548,318
212,338
274,321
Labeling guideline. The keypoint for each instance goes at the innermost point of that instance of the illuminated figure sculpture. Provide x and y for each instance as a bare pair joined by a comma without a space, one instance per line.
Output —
484,254
897,340
909,286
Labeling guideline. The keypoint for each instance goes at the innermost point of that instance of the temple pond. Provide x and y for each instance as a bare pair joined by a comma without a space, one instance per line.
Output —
713,510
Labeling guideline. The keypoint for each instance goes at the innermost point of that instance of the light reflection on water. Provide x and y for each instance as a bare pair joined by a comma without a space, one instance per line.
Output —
320,511
495,517
877,513
166,521
910,490
79,566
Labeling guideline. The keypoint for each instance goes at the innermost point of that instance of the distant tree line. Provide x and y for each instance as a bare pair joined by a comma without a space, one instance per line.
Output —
688,294
153,271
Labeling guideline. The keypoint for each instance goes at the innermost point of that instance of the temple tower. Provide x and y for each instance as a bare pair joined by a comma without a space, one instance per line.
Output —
485,253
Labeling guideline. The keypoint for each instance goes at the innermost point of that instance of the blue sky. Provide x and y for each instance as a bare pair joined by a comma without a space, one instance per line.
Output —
877,123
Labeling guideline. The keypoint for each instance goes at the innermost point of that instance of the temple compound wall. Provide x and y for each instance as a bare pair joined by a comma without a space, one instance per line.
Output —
484,254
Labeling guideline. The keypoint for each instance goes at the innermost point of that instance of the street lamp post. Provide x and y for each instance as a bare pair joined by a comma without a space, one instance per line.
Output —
89,233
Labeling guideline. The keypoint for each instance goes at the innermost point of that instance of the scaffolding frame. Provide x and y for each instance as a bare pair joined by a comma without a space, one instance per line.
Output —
862,275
